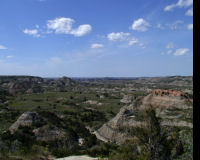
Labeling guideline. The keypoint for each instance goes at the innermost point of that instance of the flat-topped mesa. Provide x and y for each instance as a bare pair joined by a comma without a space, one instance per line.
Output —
172,93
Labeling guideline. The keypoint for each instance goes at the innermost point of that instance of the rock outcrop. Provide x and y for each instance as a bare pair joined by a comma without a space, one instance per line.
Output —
111,130
27,119
170,93
170,105
167,99
128,99
44,130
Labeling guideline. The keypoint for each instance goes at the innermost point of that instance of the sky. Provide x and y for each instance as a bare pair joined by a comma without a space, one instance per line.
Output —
96,38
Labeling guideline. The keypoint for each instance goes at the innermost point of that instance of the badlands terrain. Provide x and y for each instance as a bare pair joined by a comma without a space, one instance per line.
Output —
106,118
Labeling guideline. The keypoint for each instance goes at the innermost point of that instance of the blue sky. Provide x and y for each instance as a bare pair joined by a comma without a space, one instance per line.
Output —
96,38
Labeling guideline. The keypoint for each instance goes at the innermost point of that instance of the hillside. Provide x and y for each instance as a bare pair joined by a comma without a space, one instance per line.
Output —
173,107
30,84
96,117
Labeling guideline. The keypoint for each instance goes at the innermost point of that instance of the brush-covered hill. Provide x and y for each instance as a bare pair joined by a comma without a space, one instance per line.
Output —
31,84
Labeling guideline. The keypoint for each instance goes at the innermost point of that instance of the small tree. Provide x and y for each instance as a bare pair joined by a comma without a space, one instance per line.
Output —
154,140
150,142
157,140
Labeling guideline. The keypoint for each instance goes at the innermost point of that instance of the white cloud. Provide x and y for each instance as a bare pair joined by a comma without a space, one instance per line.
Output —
181,51
82,30
65,26
175,25
9,57
61,25
140,25
33,32
133,41
184,3
119,36
170,7
97,45
170,45
3,47
189,12
179,4
169,51
190,26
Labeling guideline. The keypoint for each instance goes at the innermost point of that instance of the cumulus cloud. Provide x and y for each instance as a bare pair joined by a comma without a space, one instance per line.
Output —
96,45
82,30
189,12
65,26
179,4
140,25
181,51
190,26
32,32
170,45
124,37
3,47
119,36
133,41
61,25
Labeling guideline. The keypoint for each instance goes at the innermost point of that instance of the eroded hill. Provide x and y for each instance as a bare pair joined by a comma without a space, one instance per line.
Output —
175,108
63,117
